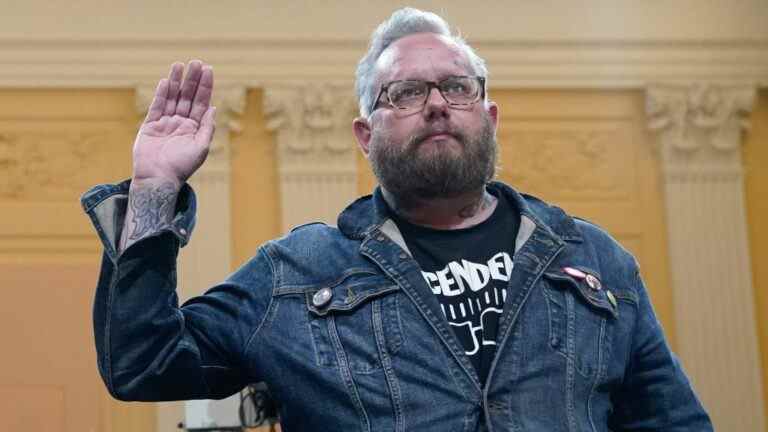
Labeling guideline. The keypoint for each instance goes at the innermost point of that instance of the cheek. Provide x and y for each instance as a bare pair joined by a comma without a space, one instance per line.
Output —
389,129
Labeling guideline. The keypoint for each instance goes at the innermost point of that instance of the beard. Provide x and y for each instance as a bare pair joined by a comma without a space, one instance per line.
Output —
412,175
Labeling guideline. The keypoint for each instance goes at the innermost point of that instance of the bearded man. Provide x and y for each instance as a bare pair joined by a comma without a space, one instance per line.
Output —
444,302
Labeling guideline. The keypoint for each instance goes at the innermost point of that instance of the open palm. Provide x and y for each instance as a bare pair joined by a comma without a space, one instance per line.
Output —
174,139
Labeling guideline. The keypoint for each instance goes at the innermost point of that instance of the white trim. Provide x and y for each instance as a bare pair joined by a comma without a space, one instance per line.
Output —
258,62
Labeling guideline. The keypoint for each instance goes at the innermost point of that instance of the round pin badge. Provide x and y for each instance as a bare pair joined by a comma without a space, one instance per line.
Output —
594,282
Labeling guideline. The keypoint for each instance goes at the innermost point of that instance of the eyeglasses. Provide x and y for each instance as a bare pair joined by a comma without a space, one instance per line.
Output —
411,95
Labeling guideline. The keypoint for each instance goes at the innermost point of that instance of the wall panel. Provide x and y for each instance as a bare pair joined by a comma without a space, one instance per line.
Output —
256,215
54,145
756,189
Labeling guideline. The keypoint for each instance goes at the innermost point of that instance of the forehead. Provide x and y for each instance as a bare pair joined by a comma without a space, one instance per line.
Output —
422,56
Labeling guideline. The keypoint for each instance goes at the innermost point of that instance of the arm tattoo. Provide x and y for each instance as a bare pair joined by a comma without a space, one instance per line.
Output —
152,209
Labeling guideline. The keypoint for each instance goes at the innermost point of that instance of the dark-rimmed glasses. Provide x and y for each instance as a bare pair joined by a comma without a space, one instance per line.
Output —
411,95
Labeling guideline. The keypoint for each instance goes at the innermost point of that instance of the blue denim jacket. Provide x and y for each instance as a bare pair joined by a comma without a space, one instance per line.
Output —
379,354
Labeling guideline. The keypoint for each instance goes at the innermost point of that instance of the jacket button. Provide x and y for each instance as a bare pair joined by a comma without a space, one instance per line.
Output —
322,297
183,232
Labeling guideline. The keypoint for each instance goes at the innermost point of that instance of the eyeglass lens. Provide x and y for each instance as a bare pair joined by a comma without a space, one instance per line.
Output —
455,90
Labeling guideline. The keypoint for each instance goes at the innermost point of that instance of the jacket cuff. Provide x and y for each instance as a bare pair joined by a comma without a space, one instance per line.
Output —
106,205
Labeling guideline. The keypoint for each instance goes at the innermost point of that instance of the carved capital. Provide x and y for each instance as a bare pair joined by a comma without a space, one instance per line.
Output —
312,122
699,123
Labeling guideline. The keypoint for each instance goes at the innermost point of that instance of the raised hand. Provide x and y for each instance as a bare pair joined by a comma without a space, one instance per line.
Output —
171,144
174,139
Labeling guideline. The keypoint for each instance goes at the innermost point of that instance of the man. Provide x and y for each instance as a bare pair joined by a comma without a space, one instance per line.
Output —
444,302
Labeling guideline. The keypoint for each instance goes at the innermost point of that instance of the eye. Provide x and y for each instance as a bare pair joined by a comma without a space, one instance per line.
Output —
457,86
405,91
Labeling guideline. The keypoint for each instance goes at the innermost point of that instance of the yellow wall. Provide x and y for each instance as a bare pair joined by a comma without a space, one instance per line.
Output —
756,188
254,187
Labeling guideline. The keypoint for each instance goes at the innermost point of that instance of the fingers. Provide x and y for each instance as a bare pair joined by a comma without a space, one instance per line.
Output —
202,100
174,84
207,127
189,87
157,107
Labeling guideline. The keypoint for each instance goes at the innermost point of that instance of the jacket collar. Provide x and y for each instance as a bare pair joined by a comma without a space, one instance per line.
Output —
370,212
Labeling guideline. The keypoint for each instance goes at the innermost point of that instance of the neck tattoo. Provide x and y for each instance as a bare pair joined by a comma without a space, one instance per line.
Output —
476,207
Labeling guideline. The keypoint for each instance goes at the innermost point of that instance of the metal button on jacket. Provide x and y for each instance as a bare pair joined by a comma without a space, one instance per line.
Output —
322,297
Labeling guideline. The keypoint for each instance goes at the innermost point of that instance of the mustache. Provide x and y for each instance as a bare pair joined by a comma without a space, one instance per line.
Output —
421,135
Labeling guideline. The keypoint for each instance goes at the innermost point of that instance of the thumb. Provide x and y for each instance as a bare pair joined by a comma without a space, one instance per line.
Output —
207,127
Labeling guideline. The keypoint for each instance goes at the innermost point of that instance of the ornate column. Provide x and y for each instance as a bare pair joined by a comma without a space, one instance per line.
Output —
699,134
316,150
206,260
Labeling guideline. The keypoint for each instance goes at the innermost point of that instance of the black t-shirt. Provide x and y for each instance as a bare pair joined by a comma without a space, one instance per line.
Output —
468,270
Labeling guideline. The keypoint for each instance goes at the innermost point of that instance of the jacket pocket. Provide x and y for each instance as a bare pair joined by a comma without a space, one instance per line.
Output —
342,322
580,319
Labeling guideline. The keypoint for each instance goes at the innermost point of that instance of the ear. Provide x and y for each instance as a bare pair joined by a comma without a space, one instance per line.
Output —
493,111
362,130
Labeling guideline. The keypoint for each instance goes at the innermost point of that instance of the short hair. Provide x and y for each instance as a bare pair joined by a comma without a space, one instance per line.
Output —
404,22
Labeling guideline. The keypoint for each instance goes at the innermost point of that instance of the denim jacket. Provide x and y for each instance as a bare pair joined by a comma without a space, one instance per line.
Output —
343,328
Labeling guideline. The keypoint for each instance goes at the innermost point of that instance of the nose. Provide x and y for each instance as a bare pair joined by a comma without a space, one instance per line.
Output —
435,105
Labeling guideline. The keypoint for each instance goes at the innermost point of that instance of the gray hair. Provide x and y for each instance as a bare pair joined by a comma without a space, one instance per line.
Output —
404,22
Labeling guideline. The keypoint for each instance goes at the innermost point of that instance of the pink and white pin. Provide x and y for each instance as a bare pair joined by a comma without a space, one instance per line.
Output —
575,272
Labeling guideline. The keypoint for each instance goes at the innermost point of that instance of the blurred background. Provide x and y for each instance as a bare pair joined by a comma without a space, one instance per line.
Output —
649,118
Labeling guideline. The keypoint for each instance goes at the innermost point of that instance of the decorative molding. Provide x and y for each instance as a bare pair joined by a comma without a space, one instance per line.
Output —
265,61
690,118
597,166
311,119
313,127
26,160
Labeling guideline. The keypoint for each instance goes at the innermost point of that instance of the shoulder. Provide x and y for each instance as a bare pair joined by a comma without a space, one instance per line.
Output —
587,241
312,253
309,239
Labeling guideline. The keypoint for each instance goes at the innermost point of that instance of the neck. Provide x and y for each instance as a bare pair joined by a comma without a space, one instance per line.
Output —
462,211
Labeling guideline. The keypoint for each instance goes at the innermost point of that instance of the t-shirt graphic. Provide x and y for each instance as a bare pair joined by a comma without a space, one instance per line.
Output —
472,297
468,270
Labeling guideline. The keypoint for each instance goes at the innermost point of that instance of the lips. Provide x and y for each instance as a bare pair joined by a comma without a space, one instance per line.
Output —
438,136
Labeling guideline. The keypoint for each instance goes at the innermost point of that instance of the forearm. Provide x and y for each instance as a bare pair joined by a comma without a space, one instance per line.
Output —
150,349
657,394
151,205
138,327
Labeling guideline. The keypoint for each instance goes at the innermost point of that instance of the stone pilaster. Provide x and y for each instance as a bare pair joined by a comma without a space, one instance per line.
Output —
699,130
316,150
207,258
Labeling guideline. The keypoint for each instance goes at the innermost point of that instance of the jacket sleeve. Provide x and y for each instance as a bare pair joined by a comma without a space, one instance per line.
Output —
149,348
656,394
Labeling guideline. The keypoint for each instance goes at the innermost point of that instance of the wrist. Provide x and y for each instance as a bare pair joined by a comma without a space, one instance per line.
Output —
167,184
